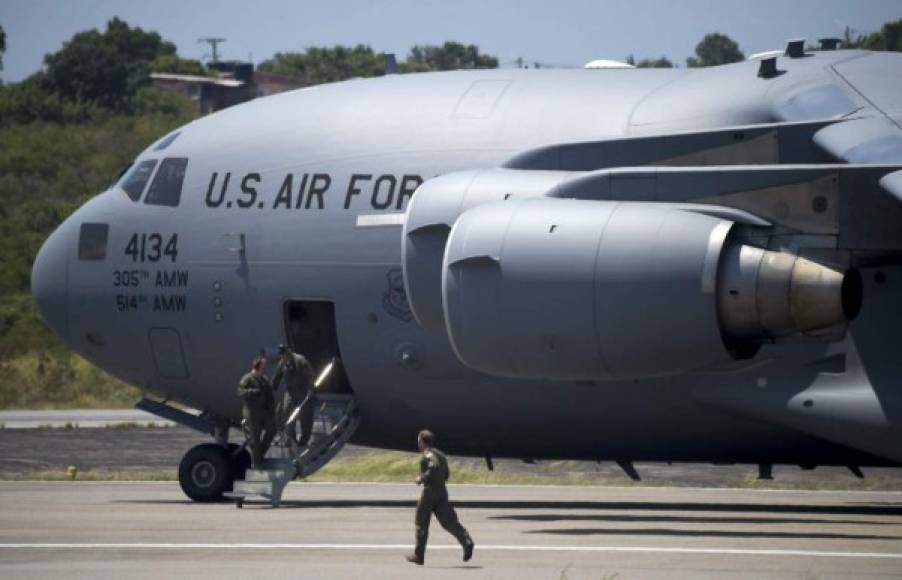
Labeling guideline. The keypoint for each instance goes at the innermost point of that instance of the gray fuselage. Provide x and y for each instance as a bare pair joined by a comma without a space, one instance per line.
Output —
278,203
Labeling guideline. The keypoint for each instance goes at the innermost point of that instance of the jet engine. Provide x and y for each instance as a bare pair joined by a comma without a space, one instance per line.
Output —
566,289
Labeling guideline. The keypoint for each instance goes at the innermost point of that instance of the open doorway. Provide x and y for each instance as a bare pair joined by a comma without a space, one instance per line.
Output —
311,330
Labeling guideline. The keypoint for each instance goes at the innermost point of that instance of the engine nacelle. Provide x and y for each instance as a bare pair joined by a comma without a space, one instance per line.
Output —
431,215
590,290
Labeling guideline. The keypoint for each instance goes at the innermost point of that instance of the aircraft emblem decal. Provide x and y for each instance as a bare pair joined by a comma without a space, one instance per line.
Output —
395,298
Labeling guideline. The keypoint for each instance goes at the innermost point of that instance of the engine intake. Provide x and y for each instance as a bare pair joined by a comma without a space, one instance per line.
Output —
431,215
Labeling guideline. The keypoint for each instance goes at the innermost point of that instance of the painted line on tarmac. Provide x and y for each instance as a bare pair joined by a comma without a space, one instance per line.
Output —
480,548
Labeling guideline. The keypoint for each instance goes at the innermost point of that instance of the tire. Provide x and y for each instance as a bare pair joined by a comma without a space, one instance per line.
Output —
206,472
240,462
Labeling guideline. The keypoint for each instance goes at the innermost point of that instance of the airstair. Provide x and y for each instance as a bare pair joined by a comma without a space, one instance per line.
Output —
335,420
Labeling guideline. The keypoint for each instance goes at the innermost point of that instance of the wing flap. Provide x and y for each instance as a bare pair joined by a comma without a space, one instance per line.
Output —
867,140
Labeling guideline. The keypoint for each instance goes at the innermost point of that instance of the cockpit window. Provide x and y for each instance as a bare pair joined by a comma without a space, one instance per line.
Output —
137,179
92,241
166,188
166,141
122,172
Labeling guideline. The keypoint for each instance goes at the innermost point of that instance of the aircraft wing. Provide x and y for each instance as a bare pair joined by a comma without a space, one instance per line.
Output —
870,127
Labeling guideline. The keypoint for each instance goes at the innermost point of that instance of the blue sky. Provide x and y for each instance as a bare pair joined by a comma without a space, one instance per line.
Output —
561,32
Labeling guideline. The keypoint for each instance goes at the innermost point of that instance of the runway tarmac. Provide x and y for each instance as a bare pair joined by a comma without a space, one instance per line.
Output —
149,530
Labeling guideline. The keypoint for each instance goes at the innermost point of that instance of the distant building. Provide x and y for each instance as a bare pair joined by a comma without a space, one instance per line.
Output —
229,83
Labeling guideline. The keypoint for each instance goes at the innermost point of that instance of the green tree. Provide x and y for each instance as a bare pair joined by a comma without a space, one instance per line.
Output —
662,62
325,65
172,63
29,101
319,65
715,49
449,56
889,38
58,148
106,68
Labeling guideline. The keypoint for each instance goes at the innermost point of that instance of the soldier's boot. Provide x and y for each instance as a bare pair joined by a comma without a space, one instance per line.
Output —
415,559
419,552
468,549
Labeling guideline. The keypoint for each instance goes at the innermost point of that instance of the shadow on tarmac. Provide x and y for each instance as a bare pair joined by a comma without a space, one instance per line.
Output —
708,534
684,519
632,506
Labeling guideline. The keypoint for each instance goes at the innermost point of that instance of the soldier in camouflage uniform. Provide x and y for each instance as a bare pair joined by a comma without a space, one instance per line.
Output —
434,474
298,374
258,410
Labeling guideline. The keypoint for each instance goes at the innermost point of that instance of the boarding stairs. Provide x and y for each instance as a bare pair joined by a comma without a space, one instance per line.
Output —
335,420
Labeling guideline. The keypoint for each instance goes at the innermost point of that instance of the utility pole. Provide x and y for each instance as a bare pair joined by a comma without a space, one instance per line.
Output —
214,44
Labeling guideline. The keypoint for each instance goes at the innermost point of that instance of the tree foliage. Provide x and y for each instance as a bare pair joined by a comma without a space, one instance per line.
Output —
888,38
2,46
29,101
62,141
106,68
47,170
662,62
715,49
319,65
449,56
172,63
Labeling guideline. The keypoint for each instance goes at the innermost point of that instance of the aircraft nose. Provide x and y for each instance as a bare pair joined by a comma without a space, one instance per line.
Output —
49,281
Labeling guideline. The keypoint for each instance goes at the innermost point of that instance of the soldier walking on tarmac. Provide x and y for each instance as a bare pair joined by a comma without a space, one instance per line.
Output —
258,411
434,474
299,391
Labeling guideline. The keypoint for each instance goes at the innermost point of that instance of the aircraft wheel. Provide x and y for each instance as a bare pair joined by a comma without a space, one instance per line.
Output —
241,461
206,472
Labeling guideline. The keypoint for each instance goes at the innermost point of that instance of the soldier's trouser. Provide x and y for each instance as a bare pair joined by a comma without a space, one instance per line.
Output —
289,404
438,504
307,420
260,428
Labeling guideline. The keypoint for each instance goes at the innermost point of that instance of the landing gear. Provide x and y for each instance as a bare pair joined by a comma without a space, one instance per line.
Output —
206,472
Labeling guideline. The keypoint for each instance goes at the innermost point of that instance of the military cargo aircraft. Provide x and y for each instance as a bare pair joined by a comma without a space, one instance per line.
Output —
699,265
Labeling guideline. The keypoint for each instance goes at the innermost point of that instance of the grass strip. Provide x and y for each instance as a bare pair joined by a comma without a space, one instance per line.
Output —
399,467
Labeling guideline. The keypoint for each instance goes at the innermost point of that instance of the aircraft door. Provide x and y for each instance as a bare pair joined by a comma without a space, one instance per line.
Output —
311,331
